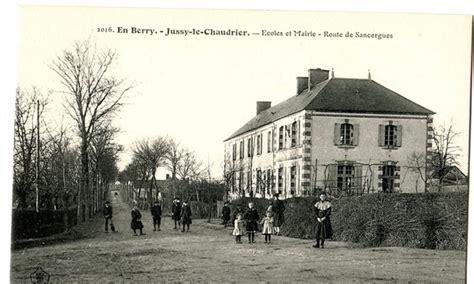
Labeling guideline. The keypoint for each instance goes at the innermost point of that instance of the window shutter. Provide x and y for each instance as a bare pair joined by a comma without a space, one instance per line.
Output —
358,177
298,133
355,140
332,176
381,135
399,136
337,134
297,179
274,142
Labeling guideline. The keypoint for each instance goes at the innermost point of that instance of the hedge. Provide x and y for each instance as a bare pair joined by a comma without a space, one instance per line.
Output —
423,220
27,223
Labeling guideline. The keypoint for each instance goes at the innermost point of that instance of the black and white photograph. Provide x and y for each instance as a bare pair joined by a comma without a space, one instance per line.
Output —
154,145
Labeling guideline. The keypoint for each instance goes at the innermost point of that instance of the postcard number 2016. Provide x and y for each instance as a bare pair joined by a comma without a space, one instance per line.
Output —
105,30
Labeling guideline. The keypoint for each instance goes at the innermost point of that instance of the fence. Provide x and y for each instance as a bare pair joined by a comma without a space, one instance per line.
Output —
27,223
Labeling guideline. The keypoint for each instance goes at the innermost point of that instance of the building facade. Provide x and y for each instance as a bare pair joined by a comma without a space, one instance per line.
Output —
341,135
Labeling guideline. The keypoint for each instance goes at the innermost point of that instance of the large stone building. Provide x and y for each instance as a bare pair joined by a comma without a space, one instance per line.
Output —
336,134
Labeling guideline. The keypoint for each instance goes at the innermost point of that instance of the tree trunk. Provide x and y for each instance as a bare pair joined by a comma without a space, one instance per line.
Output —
84,185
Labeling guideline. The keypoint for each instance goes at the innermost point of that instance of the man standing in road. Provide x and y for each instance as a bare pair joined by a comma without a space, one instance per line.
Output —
156,213
225,214
108,216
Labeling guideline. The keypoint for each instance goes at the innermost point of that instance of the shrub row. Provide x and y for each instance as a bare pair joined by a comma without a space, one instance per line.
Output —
27,223
425,220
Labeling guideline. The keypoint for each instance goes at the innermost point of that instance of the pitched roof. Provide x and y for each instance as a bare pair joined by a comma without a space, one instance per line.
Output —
338,95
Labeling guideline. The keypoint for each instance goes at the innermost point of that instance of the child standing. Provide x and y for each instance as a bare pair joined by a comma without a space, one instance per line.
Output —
136,220
267,230
251,217
238,229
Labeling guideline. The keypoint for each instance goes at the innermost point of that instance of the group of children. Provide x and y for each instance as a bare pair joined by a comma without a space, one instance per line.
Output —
322,212
251,219
180,213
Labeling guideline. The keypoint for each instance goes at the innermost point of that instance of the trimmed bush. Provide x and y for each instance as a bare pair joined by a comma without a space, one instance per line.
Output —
27,223
424,220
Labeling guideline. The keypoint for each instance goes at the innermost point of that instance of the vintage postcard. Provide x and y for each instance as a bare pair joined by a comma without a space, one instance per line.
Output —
181,145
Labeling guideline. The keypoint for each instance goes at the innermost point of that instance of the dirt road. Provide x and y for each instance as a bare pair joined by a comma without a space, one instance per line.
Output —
209,254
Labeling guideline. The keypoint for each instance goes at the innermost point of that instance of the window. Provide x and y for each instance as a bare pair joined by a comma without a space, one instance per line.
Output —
294,134
259,144
390,135
345,177
259,181
388,178
280,138
269,180
269,142
249,147
234,152
280,179
233,181
241,150
249,181
347,134
293,180
241,179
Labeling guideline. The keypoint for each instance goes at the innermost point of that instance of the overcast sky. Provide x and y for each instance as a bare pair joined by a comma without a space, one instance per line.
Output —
200,89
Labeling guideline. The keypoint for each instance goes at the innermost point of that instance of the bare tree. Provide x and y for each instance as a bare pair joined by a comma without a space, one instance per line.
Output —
93,95
445,152
189,167
152,153
174,157
104,155
29,106
417,164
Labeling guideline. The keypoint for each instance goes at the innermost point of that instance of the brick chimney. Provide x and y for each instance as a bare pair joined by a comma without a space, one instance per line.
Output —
316,76
261,106
301,84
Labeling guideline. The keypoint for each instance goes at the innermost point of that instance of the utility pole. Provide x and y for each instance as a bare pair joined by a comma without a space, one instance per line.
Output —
37,155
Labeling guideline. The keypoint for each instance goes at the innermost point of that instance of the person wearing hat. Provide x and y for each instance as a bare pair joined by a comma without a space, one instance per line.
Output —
278,209
186,215
225,214
251,218
322,210
136,223
156,213
107,216
176,213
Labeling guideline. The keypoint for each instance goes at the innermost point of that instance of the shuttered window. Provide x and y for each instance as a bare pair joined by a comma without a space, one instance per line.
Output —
280,138
293,180
390,136
294,133
346,134
269,141
280,179
234,152
241,150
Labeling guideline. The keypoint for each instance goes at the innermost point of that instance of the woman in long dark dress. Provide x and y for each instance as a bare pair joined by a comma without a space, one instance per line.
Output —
322,210
136,220
186,215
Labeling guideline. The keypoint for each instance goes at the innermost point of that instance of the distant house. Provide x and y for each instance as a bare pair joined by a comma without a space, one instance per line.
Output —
335,134
454,176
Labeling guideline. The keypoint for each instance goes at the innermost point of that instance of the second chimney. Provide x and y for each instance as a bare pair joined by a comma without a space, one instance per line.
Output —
301,84
261,106
316,76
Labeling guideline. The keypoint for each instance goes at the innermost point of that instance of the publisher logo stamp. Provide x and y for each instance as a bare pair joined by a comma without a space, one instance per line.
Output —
39,276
